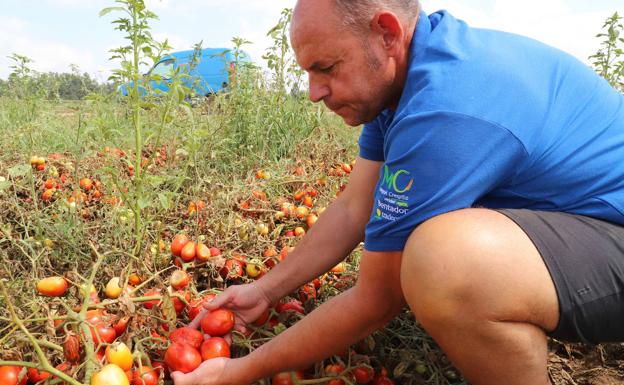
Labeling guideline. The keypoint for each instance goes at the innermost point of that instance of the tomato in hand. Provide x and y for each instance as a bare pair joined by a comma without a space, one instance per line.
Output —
188,336
182,357
218,322
214,347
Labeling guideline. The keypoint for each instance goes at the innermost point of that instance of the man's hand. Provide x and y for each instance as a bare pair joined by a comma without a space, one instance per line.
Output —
210,372
247,302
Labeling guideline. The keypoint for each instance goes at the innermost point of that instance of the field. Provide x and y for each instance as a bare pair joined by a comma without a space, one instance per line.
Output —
95,191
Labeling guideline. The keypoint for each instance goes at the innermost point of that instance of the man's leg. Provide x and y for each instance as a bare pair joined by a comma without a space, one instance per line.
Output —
480,288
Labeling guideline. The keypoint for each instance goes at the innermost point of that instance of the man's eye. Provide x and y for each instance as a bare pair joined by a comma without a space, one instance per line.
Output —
328,69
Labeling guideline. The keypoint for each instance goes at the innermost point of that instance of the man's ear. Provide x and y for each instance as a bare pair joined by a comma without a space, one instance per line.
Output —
389,27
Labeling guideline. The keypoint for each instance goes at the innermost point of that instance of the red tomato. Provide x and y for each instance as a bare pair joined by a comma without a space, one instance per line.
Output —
196,305
35,375
188,336
335,370
178,304
179,241
286,378
10,374
145,376
363,374
120,325
264,317
182,357
102,333
218,322
293,305
214,347
382,380
232,269
155,302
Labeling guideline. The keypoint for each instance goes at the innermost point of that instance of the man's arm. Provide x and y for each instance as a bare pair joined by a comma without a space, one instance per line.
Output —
333,237
338,323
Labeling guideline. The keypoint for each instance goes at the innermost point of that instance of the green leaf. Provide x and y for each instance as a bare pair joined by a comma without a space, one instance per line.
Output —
108,10
19,170
143,202
164,202
5,185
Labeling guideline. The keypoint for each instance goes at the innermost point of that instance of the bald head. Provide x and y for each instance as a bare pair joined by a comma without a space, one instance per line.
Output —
356,15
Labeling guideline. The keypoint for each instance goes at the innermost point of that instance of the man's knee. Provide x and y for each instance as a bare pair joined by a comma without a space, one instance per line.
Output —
445,263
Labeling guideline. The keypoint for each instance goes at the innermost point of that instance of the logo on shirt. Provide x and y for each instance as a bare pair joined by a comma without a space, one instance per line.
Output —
398,181
392,201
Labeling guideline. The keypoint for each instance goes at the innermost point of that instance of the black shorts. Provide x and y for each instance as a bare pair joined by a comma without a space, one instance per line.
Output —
585,258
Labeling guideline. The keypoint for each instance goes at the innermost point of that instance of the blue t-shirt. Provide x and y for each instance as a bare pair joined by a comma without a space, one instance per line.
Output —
492,119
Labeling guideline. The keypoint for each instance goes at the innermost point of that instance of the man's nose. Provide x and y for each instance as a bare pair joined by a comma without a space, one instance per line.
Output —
318,91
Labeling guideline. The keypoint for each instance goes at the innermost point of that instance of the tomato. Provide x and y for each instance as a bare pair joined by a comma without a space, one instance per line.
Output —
182,357
232,269
160,367
363,374
102,333
214,347
154,302
218,322
9,375
188,251
382,380
110,375
86,184
202,252
35,375
214,252
145,376
134,279
188,336
119,354
197,305
264,317
112,289
52,286
335,370
299,231
120,325
47,195
178,304
311,220
179,279
72,348
179,241
292,305
286,378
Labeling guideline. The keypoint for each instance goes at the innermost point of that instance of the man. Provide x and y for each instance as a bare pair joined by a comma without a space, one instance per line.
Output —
492,166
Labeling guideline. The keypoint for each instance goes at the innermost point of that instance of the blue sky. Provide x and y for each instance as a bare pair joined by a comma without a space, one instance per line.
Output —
57,33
